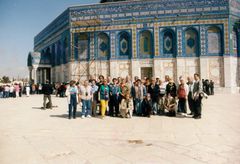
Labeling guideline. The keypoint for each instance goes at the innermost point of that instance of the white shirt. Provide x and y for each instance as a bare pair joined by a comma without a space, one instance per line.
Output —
85,92
6,88
11,89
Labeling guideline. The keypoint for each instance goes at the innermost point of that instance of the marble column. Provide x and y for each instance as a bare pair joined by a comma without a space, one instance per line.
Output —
34,74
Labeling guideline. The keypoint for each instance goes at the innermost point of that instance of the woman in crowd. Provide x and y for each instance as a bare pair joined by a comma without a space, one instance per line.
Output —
126,107
124,88
72,97
182,93
171,88
28,90
104,97
170,105
94,97
86,97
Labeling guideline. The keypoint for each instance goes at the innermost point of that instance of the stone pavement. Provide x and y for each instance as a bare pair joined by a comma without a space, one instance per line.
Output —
29,135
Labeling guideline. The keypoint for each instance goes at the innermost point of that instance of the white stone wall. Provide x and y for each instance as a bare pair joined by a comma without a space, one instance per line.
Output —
164,67
186,67
224,71
212,68
120,68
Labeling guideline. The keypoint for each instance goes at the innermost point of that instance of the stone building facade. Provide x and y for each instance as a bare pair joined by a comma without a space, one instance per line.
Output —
142,38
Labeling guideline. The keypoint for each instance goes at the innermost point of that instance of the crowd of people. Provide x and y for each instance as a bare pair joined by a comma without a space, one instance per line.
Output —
11,90
122,97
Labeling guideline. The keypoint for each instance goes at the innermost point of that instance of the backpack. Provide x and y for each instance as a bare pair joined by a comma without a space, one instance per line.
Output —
181,92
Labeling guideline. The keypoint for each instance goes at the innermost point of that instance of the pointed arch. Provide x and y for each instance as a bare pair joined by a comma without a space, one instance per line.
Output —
145,43
124,46
191,42
83,46
168,40
103,45
214,39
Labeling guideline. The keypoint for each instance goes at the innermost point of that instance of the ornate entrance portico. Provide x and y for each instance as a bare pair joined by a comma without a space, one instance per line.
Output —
39,70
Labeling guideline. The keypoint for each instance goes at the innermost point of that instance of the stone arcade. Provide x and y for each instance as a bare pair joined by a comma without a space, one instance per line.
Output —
141,38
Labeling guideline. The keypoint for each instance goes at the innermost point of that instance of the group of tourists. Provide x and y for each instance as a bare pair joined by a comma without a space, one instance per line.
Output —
11,90
122,97
208,86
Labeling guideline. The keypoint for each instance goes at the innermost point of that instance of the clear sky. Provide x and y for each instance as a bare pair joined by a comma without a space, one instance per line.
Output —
20,21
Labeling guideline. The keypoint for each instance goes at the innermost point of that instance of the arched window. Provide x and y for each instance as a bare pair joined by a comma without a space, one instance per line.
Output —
103,46
124,44
168,42
191,43
146,44
83,46
65,50
214,40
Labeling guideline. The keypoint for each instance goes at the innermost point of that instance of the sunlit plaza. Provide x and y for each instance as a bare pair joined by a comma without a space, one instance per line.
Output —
167,73
31,135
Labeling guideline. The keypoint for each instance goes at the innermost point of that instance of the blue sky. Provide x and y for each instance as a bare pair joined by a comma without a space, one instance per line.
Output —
20,21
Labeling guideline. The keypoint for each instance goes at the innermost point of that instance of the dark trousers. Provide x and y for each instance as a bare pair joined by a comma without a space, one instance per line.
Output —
10,94
45,97
62,94
114,105
197,107
182,105
191,104
72,107
212,90
94,108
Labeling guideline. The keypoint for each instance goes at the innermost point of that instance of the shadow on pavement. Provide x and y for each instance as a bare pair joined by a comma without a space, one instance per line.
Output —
60,116
37,107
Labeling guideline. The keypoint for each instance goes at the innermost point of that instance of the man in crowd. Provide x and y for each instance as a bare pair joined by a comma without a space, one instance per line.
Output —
47,90
196,93
138,93
114,98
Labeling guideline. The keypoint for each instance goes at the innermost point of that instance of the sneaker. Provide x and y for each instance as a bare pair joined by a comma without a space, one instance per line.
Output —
83,116
88,116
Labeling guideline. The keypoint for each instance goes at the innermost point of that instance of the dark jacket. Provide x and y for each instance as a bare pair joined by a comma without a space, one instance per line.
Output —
147,107
154,92
47,89
172,89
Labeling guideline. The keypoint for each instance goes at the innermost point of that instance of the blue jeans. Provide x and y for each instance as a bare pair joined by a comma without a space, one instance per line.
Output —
6,94
86,107
72,107
155,107
138,106
1,94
